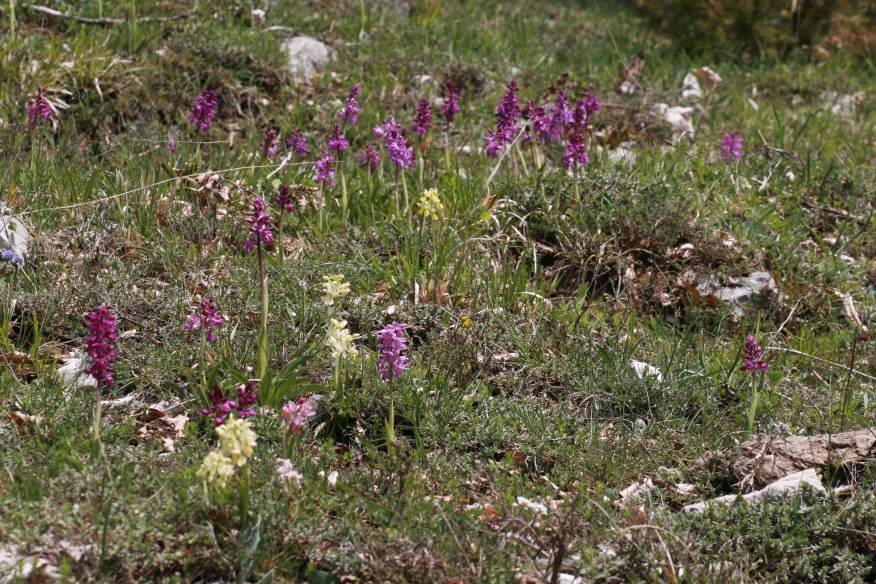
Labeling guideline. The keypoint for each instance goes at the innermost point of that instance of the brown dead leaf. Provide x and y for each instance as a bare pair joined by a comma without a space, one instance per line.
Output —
489,516
20,419
709,77
631,74
213,186
178,424
19,358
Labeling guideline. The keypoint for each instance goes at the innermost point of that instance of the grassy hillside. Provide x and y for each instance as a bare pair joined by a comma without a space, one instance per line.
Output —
518,420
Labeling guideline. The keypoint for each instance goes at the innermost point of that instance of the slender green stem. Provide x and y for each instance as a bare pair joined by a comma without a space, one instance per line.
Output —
447,148
322,205
339,388
12,19
202,366
405,189
98,445
281,243
395,199
390,424
575,178
343,194
756,383
263,337
421,168
243,491
522,159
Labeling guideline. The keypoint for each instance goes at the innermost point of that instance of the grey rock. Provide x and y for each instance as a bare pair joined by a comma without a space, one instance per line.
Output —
757,289
307,56
790,486
72,374
15,236
643,370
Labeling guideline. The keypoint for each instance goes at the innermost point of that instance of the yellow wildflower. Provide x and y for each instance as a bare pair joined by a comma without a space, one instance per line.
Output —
429,204
466,322
334,288
340,341
236,440
217,468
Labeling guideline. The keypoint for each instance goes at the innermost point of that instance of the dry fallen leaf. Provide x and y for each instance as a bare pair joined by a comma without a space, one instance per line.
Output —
19,358
709,77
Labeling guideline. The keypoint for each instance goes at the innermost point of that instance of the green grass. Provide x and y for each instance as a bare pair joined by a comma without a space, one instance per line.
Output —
524,305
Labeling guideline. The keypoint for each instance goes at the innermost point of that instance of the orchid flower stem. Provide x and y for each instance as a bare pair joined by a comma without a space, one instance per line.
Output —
395,199
756,384
421,167
577,189
243,491
390,424
98,445
339,388
322,199
263,337
202,398
522,159
281,243
405,189
343,192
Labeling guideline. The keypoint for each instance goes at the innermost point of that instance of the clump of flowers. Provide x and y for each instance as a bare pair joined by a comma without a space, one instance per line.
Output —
753,357
38,109
539,122
325,172
268,145
221,406
206,319
396,145
297,142
731,146
399,152
391,344
391,364
10,256
451,103
171,144
371,156
349,114
260,226
423,119
285,199
246,399
204,109
237,443
429,204
296,413
236,440
333,289
561,116
337,141
287,475
216,468
507,115
99,344
340,342
576,147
